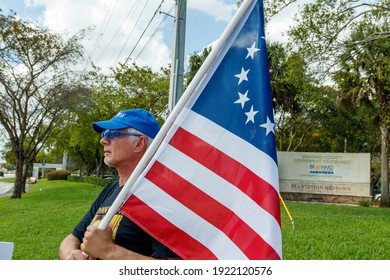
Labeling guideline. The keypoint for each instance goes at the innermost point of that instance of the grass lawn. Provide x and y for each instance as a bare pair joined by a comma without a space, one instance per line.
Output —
39,221
335,232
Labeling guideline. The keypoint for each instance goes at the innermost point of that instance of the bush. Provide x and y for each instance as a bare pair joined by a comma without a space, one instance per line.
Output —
58,175
365,203
91,180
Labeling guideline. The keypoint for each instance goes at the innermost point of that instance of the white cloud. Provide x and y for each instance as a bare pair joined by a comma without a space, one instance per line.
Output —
119,24
215,8
279,25
277,28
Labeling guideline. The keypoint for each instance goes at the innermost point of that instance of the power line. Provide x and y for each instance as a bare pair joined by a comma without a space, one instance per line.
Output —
155,31
128,38
132,9
103,27
131,12
143,33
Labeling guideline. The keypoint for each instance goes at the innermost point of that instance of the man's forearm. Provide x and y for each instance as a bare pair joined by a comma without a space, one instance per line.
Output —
68,245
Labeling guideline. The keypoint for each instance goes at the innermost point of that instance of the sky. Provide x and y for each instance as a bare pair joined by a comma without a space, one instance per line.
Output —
136,29
139,30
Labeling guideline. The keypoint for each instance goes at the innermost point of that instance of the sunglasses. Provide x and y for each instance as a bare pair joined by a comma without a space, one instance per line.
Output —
112,134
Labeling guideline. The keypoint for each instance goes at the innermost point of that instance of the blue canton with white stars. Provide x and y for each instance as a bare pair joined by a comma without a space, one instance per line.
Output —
238,96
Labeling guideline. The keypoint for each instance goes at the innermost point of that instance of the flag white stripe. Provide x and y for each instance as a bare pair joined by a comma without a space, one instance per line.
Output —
234,146
222,191
185,219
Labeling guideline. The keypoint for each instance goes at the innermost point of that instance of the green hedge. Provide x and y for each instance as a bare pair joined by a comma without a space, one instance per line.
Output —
58,175
91,180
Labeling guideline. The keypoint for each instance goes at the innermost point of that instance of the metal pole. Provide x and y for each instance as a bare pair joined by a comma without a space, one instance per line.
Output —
177,67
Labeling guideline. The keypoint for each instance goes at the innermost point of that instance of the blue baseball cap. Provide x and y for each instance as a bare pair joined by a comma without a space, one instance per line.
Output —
139,119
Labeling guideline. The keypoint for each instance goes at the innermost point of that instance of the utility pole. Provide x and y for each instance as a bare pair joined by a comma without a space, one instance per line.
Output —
177,67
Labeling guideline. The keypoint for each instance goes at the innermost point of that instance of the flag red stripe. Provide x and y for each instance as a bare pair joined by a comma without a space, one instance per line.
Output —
211,210
138,211
228,168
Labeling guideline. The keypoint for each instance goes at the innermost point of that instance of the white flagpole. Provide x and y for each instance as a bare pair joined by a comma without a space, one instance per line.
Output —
217,53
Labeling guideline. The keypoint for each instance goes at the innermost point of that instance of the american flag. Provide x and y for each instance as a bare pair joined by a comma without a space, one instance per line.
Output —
211,191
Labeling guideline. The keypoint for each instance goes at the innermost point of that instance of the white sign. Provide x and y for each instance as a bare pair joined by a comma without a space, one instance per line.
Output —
325,173
6,250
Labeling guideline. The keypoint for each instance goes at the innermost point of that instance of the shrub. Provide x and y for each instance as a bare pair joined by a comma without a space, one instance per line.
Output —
58,175
91,180
365,203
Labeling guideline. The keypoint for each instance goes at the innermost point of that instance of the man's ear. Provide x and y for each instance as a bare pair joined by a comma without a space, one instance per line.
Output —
142,144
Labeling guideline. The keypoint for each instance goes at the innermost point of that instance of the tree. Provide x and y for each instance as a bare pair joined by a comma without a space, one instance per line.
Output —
327,32
126,87
272,7
290,83
144,88
364,76
37,85
322,27
195,61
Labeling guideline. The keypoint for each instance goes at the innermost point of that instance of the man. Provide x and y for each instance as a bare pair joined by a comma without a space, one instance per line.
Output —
125,139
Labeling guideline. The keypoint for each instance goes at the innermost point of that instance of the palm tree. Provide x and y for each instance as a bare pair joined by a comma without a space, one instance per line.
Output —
194,62
364,76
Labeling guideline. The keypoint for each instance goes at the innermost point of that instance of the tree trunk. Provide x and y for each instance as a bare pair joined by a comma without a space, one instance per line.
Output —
384,167
24,177
99,167
19,181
